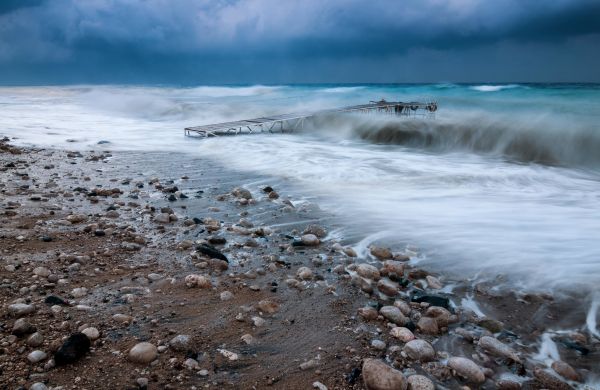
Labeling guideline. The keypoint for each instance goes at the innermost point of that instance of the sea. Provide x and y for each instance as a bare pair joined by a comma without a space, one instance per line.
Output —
502,185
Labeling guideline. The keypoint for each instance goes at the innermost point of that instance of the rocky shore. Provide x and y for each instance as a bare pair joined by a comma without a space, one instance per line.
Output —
108,281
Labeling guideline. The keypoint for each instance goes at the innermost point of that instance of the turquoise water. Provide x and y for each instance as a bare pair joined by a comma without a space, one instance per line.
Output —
502,185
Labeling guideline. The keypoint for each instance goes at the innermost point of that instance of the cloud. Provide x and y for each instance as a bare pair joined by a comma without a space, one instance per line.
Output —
151,36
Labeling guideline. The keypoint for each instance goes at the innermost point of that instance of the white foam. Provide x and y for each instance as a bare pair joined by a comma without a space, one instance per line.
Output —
548,352
592,315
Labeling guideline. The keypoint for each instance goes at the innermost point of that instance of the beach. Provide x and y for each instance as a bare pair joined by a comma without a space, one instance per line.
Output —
185,273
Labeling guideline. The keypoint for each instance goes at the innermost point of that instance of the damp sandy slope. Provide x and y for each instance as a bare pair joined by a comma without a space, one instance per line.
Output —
92,220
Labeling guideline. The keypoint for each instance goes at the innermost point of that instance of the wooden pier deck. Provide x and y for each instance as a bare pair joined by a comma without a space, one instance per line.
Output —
292,122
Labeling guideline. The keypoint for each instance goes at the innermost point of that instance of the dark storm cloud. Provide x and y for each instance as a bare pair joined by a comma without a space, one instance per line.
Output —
275,41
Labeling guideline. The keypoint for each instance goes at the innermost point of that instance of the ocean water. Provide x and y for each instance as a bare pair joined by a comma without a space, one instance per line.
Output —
502,186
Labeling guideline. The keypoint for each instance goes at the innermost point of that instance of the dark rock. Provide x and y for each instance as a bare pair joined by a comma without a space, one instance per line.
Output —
197,221
433,300
268,189
99,233
103,142
353,375
211,251
54,300
46,238
74,348
172,198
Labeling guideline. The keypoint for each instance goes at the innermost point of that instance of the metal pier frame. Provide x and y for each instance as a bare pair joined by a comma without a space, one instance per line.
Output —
292,122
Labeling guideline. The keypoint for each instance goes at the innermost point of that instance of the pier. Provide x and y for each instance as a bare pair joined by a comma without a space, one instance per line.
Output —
293,122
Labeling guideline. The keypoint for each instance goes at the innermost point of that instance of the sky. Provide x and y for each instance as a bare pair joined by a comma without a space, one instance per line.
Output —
298,41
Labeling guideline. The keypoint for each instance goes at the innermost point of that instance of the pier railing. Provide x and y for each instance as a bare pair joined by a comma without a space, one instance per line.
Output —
293,122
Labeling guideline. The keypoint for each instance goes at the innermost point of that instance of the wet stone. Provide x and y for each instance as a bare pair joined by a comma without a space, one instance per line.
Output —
420,382
467,369
377,375
419,350
180,342
20,309
393,314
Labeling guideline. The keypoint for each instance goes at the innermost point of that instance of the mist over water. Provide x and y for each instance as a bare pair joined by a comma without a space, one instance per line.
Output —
503,185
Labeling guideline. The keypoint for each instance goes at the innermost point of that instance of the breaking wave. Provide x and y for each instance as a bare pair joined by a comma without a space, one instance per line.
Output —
494,88
542,141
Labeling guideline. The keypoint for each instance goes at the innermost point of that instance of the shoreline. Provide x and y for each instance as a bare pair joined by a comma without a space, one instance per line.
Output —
293,314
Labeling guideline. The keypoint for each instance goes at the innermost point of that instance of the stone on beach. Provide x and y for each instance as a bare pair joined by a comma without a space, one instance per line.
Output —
566,371
42,272
309,240
550,381
36,356
143,352
75,347
240,192
393,314
381,253
92,333
388,287
419,350
420,382
497,348
317,230
467,369
180,342
194,280
377,375
368,271
304,273
393,267
368,313
267,306
402,334
20,309
428,325
22,327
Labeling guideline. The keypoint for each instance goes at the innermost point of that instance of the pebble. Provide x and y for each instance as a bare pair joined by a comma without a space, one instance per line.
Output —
379,376
35,340
180,342
419,350
304,273
378,345
226,295
497,348
75,347
92,333
393,314
393,267
22,327
162,218
420,382
191,364
381,253
467,369
402,334
143,353
142,383
194,280
550,381
122,318
42,272
566,371
258,322
248,339
319,386
240,192
310,240
388,287
368,313
36,356
20,309
368,271
433,282
428,325
317,230
267,306
79,292
228,354
38,386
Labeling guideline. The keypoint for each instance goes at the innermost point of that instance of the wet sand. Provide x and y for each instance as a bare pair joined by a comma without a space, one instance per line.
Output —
115,237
